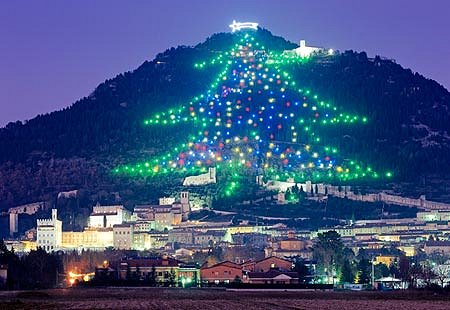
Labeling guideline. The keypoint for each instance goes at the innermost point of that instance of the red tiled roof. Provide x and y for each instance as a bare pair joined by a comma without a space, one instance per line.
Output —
271,274
225,263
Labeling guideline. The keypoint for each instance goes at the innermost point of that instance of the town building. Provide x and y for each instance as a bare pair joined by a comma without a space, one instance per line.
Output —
267,264
49,233
210,237
255,240
29,209
169,213
94,239
20,246
221,273
434,216
441,247
123,236
150,240
181,236
387,260
165,270
108,216
271,277
289,247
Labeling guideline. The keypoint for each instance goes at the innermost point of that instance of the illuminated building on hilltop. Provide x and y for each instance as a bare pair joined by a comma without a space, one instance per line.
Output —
305,51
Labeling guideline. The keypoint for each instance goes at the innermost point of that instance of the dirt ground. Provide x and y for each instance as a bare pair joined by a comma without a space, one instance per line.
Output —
165,298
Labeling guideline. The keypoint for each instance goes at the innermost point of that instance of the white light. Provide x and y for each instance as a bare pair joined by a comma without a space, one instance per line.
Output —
236,26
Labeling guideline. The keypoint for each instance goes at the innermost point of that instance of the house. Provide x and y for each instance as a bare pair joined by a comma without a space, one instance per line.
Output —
289,247
267,264
221,273
271,277
442,247
167,270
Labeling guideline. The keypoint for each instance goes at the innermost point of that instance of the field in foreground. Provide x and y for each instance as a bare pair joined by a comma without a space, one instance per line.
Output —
162,298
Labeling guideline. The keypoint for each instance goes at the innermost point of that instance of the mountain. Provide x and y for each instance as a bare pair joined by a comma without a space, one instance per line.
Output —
408,130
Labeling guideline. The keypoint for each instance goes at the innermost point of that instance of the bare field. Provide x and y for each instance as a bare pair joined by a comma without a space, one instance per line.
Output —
164,298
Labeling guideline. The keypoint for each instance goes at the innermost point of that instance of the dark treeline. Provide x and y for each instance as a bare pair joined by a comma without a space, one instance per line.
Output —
37,269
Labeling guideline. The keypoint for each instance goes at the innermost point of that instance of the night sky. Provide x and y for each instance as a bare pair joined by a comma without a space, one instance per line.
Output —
55,52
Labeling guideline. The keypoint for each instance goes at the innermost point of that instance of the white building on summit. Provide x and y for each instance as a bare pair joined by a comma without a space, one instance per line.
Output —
304,51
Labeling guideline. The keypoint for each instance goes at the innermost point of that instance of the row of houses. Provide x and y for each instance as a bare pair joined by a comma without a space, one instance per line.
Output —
271,270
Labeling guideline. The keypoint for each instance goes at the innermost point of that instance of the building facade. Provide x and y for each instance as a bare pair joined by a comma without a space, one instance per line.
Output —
49,233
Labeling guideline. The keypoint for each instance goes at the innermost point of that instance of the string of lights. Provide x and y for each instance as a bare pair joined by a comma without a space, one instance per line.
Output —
255,117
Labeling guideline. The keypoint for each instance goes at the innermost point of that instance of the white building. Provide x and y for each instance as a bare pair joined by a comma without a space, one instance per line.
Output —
202,179
170,212
30,209
165,201
49,233
304,51
434,216
94,239
108,216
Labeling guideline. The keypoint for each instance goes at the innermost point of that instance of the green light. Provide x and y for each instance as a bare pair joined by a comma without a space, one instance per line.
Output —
211,116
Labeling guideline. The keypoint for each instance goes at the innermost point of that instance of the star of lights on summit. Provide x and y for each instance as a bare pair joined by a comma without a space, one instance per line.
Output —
236,26
254,116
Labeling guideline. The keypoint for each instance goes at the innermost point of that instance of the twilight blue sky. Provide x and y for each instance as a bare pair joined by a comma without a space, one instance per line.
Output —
53,52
